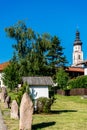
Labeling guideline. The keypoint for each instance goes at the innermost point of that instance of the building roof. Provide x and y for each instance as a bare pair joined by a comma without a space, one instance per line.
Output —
75,69
3,66
45,80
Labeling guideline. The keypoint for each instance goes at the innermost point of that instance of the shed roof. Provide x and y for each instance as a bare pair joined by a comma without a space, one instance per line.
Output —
45,80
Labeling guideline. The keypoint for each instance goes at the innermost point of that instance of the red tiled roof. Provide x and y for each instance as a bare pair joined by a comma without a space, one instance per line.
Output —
3,66
75,69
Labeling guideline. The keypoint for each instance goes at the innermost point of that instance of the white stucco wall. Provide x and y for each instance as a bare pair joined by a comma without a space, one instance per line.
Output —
1,82
85,71
39,91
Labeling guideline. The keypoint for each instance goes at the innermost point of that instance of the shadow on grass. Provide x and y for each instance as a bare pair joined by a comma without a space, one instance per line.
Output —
42,125
61,111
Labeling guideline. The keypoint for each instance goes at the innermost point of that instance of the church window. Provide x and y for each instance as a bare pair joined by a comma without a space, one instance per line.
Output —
79,57
76,48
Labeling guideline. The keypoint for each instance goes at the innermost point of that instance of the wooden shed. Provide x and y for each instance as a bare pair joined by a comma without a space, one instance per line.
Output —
38,85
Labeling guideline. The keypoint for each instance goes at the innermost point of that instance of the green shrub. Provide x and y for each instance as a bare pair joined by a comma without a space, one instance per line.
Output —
44,104
62,78
22,90
79,82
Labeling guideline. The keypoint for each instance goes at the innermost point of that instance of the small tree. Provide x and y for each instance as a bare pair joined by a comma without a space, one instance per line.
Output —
11,76
62,79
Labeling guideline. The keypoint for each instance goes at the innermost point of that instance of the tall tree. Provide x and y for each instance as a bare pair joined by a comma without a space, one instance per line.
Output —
36,54
42,47
23,36
55,55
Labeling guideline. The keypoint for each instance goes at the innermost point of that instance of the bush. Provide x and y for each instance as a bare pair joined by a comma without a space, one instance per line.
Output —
44,104
24,88
51,93
79,82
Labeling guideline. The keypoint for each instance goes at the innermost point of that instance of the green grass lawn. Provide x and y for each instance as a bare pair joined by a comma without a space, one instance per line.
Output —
67,113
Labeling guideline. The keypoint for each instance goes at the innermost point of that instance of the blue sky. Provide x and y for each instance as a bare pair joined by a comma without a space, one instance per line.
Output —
57,17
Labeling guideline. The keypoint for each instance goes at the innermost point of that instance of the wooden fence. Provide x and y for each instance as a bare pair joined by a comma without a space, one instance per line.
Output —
73,92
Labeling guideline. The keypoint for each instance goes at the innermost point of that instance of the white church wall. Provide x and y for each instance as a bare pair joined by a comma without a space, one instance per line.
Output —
85,71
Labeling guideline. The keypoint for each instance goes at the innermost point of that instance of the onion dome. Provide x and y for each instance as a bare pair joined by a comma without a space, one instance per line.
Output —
77,40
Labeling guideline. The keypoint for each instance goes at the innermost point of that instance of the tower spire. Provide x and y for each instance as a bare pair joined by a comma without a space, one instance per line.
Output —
77,40
77,35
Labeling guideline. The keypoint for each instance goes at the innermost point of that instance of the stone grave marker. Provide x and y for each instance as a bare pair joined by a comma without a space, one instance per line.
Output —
14,110
26,111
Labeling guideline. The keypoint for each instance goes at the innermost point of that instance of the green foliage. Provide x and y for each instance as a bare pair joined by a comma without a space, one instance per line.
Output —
44,104
36,54
62,79
79,82
55,54
11,76
24,88
22,35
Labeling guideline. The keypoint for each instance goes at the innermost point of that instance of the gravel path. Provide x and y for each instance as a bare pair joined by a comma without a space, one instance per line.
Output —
2,125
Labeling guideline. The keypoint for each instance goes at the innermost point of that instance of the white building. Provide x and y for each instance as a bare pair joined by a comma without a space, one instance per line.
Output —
38,85
2,67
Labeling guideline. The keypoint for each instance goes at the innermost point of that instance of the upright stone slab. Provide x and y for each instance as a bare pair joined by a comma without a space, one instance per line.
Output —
14,110
3,94
0,96
26,111
7,102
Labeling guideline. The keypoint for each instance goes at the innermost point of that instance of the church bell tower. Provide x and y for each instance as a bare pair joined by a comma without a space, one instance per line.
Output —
77,51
